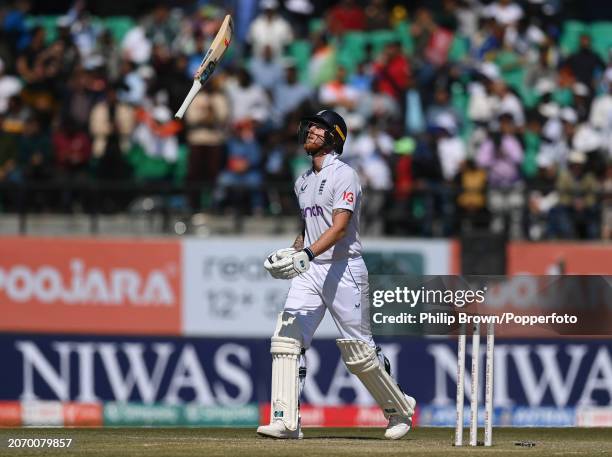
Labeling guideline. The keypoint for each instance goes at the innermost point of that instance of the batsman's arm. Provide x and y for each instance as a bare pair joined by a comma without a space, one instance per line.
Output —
298,244
340,221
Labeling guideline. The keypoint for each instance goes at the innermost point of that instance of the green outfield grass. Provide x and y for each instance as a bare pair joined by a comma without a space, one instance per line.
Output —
151,442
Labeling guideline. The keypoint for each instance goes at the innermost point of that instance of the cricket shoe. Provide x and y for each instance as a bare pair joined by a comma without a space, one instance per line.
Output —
278,430
400,425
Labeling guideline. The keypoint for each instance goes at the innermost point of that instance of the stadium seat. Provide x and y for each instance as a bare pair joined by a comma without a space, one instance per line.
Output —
460,48
402,29
601,35
49,23
351,49
300,52
380,38
119,26
571,36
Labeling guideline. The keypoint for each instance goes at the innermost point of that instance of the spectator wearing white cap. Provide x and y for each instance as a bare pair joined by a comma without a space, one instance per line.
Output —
269,29
9,86
504,12
451,150
582,101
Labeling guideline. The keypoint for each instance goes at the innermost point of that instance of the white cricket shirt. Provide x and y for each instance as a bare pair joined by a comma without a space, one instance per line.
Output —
335,186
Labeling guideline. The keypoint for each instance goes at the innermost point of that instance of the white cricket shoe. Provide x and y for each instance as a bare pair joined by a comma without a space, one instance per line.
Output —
278,430
400,425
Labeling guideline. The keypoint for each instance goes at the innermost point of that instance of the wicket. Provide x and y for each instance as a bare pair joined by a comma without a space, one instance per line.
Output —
488,418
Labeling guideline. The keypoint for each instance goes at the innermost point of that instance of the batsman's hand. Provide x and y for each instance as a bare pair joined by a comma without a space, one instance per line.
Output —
287,263
271,262
296,264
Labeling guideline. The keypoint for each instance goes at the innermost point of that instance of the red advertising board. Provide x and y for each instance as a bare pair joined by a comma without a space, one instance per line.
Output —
336,416
90,286
559,258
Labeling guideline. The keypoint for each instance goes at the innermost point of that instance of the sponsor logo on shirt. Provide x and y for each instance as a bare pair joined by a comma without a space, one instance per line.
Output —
348,197
303,188
312,211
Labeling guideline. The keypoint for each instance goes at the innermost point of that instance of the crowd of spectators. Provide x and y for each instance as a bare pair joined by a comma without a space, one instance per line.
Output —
464,114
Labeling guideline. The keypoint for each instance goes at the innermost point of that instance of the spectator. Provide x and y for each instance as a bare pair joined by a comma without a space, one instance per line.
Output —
269,29
9,87
505,101
72,148
136,47
300,13
584,63
35,152
156,132
9,155
248,100
501,155
392,72
134,85
451,150
432,44
242,174
267,70
111,118
542,198
290,94
601,113
471,201
322,64
377,15
79,100
72,153
206,121
442,106
346,16
337,94
576,215
505,12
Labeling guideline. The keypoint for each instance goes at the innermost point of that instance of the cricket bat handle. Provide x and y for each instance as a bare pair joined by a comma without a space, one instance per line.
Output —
195,88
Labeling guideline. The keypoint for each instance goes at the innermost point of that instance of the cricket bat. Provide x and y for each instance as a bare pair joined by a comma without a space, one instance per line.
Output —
209,63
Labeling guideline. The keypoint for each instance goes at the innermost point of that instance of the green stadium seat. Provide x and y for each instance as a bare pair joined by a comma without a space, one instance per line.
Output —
380,38
351,49
300,51
601,36
316,25
49,23
402,30
570,36
460,48
118,26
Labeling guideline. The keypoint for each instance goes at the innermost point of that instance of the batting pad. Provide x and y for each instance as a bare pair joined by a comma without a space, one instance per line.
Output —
362,360
286,349
285,386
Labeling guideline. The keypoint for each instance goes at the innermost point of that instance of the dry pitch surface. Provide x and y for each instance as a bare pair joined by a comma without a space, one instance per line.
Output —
152,442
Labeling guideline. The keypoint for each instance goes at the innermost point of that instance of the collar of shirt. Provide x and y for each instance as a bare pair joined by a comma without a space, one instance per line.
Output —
329,159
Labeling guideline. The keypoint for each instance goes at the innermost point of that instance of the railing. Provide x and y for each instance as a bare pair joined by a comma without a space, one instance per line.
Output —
426,211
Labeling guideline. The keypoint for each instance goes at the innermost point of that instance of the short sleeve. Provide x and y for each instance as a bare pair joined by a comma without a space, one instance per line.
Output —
346,190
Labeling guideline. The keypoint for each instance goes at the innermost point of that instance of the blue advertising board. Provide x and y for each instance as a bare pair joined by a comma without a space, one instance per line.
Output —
233,371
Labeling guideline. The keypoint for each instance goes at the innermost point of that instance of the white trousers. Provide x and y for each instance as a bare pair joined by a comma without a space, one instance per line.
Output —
342,288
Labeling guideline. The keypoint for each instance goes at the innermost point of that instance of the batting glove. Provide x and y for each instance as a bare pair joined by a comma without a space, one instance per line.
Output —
271,262
296,264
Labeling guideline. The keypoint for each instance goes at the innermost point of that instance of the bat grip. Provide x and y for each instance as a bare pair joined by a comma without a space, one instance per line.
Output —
195,88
